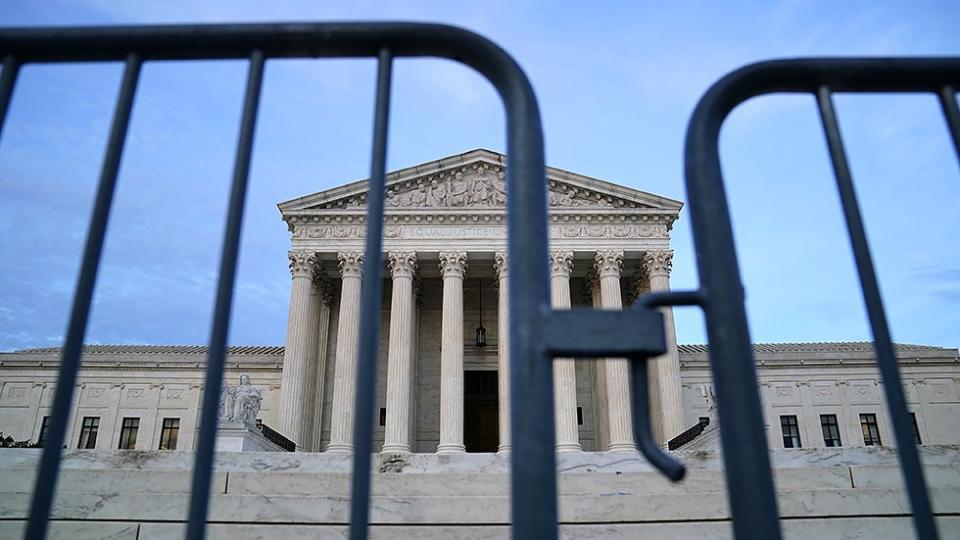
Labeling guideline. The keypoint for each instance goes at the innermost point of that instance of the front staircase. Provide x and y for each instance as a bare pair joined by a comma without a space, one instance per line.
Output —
824,493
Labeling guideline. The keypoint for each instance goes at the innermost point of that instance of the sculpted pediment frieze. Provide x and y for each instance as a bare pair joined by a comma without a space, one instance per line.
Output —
477,185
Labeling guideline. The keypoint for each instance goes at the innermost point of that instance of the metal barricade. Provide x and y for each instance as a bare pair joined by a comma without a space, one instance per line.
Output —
747,466
538,333
257,43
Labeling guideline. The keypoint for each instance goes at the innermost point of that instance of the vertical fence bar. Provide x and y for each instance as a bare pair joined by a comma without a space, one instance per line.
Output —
7,79
533,464
948,101
370,301
206,440
746,458
46,483
886,358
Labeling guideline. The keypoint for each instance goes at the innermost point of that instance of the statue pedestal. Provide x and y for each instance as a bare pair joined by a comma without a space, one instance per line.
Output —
234,437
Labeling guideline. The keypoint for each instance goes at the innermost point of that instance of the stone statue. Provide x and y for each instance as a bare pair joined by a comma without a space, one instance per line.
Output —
226,403
499,191
437,196
706,390
481,192
419,196
459,191
246,398
240,404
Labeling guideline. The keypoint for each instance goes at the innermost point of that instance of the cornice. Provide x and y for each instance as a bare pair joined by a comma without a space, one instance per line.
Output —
479,216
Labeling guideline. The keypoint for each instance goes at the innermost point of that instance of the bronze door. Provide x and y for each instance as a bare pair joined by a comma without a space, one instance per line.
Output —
481,431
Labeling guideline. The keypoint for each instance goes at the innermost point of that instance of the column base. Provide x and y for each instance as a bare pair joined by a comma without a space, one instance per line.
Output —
395,449
569,448
622,447
503,449
446,449
339,448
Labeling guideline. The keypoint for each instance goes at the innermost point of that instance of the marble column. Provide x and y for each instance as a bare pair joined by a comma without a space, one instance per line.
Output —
564,369
403,265
296,355
665,372
345,367
601,420
319,370
503,351
609,263
453,266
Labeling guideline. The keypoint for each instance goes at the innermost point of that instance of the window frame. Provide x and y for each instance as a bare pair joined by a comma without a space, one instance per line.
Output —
825,424
917,439
42,435
169,433
125,431
89,428
791,422
870,427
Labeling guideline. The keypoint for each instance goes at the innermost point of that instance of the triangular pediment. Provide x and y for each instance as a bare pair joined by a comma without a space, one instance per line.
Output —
476,180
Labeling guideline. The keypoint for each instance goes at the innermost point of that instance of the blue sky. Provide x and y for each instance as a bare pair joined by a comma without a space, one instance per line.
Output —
616,81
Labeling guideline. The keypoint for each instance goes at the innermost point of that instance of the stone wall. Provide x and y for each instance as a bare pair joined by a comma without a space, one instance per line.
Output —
805,380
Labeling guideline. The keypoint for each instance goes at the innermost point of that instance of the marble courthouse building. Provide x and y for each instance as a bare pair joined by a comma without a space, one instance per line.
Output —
441,389
445,244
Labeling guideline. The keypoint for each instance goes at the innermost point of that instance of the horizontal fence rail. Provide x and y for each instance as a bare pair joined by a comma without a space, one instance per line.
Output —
749,483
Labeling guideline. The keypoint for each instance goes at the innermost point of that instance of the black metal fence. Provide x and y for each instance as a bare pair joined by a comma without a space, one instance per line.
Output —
749,482
276,437
538,334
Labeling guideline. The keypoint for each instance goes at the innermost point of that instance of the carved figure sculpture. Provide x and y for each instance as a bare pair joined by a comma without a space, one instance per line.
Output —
706,390
437,196
240,404
247,398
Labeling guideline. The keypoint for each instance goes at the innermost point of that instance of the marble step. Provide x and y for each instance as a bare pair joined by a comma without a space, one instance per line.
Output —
469,509
874,528
20,479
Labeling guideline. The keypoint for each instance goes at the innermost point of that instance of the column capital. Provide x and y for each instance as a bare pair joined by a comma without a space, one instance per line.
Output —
500,264
608,263
402,264
351,263
453,263
658,262
303,263
561,263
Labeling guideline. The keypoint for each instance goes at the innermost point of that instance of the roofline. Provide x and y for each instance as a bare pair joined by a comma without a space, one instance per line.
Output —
689,349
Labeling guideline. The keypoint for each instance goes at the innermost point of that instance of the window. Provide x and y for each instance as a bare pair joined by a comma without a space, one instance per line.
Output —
128,433
383,416
169,433
831,431
579,416
871,433
88,432
42,438
916,428
791,431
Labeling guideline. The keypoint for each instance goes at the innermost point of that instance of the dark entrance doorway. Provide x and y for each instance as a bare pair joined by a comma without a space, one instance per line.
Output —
481,428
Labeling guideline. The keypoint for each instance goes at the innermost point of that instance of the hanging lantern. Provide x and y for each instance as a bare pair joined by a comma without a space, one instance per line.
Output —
481,331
